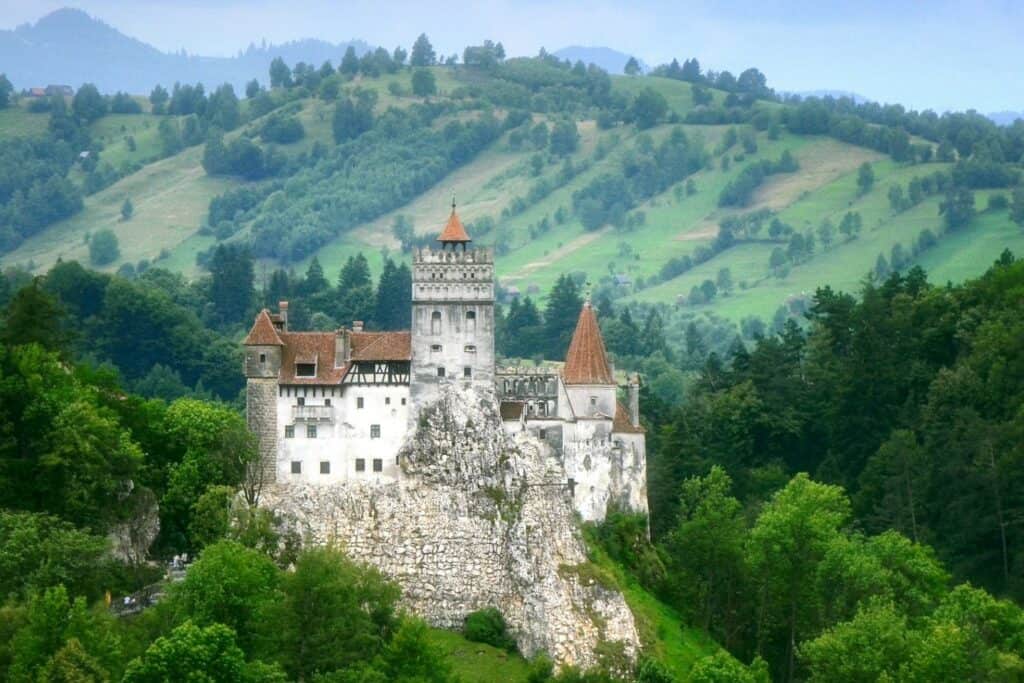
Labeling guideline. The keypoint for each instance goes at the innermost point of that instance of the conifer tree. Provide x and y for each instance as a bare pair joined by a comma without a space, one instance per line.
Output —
560,317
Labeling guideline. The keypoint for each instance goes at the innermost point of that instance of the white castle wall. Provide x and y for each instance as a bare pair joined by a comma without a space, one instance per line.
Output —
346,437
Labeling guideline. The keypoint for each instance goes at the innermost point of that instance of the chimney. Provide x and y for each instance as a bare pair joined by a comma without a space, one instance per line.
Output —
283,307
357,325
342,348
634,400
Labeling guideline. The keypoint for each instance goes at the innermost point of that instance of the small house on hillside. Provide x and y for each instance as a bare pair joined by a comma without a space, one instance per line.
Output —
66,90
37,92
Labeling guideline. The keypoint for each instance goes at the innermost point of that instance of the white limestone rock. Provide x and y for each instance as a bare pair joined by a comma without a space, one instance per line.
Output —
481,519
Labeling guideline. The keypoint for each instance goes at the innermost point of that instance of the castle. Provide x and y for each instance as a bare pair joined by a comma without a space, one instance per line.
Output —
336,407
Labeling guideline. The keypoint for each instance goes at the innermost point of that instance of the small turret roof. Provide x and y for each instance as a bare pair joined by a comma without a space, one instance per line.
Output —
587,361
453,230
263,332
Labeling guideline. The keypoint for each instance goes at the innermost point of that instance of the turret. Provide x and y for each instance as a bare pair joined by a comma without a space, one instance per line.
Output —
263,347
589,379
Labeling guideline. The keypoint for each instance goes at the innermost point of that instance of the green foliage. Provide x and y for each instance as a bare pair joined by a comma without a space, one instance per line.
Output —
721,668
87,104
423,83
202,654
282,129
103,248
740,190
334,614
230,585
127,210
488,626
38,551
865,178
422,52
649,108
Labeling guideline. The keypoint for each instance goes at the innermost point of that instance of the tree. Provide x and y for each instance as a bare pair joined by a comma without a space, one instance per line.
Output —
222,108
5,91
231,286
850,225
957,208
72,664
560,317
127,209
706,560
194,653
230,585
394,297
399,55
722,667
333,614
103,248
351,118
280,74
1017,206
158,99
724,280
564,137
423,83
865,178
349,65
649,108
35,317
788,541
632,67
39,550
252,89
423,52
870,647
88,104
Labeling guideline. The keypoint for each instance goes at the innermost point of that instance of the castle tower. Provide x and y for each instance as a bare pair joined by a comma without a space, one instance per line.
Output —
262,367
588,376
452,315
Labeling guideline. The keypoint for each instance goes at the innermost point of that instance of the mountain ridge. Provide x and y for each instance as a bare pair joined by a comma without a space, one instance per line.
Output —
70,46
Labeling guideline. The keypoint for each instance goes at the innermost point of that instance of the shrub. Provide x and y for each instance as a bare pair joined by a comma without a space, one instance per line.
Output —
488,626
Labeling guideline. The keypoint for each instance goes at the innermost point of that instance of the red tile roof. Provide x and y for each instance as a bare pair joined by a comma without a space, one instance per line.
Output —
310,347
622,424
381,346
453,231
263,332
587,362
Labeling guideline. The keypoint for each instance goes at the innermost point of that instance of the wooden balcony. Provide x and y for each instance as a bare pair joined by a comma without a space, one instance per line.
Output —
312,413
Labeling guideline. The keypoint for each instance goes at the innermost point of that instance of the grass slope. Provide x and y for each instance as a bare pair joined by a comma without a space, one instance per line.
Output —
478,662
171,199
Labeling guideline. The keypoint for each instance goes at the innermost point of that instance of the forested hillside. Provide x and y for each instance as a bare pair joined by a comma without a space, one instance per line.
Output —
697,190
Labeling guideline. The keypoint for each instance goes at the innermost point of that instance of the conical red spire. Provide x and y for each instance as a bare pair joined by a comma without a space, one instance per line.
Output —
453,232
587,362
263,332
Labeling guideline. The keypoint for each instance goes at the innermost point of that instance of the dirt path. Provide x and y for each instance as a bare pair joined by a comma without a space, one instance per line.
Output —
561,252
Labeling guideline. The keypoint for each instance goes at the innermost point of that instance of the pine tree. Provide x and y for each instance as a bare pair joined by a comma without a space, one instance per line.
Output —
560,317
394,297
231,288
34,317
423,52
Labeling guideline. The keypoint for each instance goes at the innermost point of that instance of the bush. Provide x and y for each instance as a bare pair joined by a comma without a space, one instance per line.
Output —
488,626
103,248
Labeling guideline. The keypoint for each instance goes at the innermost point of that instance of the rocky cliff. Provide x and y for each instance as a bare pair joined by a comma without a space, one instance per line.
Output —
479,519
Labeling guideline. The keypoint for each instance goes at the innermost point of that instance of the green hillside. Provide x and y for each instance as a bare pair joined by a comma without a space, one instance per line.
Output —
539,234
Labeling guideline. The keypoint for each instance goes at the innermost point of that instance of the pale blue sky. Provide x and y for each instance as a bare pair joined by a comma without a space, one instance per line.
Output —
936,54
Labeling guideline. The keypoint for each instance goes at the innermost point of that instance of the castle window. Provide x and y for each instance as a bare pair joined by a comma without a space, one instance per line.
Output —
387,400
289,431
263,359
360,465
593,400
305,369
403,401
296,467
327,402
359,402
374,431
378,465
311,431
325,467
471,321
542,433
440,372
435,322
301,400
467,372
436,348
470,348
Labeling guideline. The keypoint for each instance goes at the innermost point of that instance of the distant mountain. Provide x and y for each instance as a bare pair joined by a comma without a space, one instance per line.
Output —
608,59
1005,118
70,47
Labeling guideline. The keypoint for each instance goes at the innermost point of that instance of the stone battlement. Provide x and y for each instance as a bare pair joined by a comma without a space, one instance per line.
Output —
475,255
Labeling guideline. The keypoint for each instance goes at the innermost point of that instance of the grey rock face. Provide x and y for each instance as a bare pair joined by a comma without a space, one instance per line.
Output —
482,519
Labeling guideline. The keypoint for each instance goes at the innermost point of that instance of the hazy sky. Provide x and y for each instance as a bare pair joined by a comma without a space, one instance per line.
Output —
924,54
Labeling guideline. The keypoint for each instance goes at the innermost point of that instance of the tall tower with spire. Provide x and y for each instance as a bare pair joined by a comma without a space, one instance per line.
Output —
452,314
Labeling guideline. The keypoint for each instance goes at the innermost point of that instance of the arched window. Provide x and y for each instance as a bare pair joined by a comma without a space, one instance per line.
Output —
471,321
435,322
